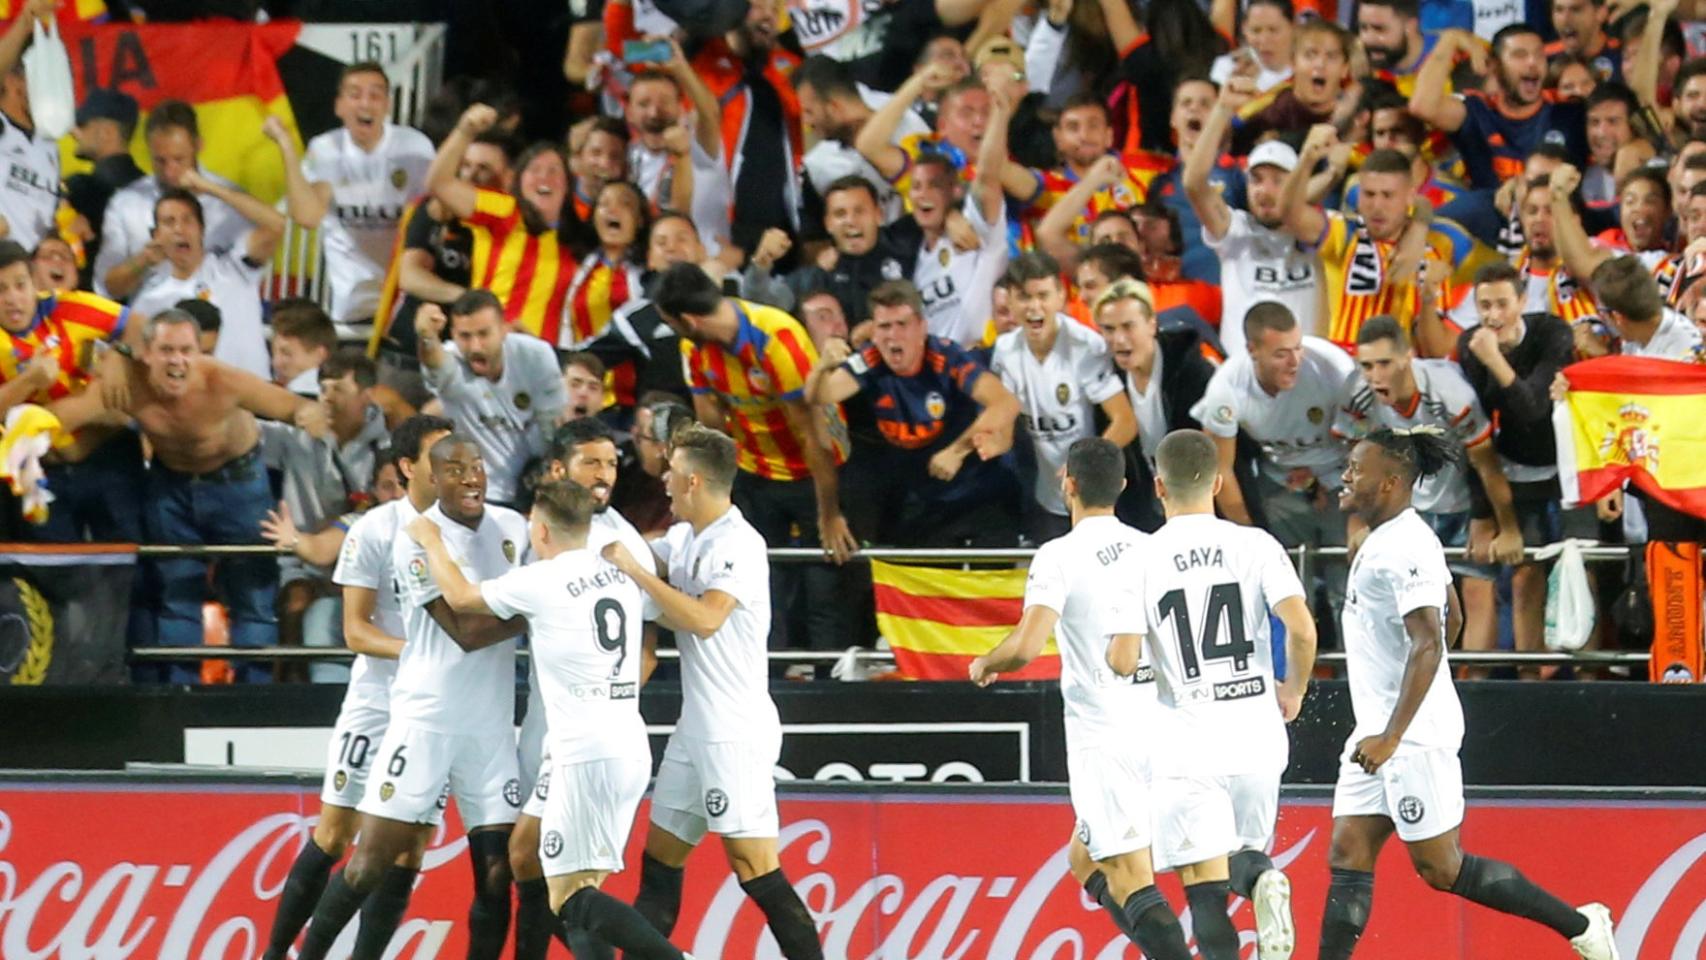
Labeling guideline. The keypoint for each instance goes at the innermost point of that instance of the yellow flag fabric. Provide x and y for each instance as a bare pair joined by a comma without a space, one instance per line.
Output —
936,621
1637,420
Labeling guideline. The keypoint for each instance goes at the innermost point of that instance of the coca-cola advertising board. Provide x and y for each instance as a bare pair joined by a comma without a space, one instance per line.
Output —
103,871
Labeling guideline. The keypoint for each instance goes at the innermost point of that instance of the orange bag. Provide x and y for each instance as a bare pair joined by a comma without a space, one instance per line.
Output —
1675,584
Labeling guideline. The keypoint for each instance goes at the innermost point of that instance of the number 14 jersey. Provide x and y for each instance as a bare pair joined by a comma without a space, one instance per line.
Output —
1208,585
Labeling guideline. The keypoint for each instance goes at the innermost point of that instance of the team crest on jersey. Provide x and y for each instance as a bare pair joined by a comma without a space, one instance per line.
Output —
1062,393
716,802
387,790
1631,439
758,378
509,550
943,256
399,178
1316,415
523,400
935,405
512,792
553,844
1224,415
340,780
1411,810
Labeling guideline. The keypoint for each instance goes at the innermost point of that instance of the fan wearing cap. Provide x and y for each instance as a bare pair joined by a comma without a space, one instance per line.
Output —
105,122
1259,260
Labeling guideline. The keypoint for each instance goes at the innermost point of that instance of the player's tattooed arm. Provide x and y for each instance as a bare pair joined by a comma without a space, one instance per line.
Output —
1422,626
1022,646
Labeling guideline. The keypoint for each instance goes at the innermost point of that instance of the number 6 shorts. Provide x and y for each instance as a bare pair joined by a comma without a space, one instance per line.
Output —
416,771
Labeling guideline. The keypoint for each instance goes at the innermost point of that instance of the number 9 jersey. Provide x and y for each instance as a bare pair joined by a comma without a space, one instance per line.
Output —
1208,585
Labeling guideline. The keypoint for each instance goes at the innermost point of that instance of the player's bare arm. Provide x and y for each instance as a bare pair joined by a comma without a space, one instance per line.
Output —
702,616
1422,626
360,634
1125,653
463,596
472,631
1300,641
1507,543
1304,220
1022,646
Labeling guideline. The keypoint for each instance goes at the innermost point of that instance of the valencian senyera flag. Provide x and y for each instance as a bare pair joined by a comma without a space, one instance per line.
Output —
227,70
936,621
1634,419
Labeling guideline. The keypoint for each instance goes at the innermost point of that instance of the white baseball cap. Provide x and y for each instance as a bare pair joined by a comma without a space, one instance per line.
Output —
1274,153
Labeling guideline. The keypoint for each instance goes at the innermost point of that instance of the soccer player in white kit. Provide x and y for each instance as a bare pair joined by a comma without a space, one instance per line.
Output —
1208,585
583,452
583,617
1400,771
1085,587
373,628
716,773
452,728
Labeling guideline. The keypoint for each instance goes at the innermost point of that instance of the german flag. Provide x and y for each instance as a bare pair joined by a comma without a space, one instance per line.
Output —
227,70
937,621
1634,419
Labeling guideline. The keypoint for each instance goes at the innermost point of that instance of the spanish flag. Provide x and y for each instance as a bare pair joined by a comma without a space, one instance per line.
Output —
1635,419
227,70
936,621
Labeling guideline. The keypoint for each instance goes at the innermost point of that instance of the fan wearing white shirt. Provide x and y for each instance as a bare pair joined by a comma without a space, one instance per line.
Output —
955,284
229,279
1060,371
29,191
583,617
1208,585
1085,587
678,163
837,109
128,248
451,729
503,389
716,775
373,630
1400,771
355,181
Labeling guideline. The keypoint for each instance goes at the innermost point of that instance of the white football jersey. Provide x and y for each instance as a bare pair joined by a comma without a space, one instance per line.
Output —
1259,264
957,285
1294,428
1058,394
511,419
29,195
366,562
713,191
1092,578
725,678
583,622
1444,399
230,282
439,686
830,160
1400,568
370,192
129,224
1208,585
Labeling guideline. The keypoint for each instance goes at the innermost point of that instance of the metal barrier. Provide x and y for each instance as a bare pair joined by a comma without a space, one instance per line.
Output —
1302,555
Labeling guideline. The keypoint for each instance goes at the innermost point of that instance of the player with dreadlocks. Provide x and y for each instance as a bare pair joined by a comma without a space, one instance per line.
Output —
1400,772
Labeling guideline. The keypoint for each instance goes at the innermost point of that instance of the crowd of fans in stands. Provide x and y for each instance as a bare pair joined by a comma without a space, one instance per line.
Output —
905,253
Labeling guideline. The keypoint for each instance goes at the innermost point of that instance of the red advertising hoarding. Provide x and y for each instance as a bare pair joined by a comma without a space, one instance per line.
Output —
105,872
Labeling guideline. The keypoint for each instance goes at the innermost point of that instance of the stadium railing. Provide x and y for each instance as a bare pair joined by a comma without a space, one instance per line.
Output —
1305,557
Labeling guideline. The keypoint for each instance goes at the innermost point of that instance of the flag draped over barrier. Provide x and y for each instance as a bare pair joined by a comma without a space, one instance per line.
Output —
1638,420
227,70
936,621
63,611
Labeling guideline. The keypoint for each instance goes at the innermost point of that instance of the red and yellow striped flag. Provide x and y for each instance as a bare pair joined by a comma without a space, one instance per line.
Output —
937,621
1634,419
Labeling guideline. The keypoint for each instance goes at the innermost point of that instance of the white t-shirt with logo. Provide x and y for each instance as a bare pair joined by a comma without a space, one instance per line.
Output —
370,193
1399,569
725,678
128,224
957,286
1091,577
511,419
230,282
1676,339
1058,394
365,561
1258,264
1443,399
29,195
1294,428
1208,585
583,624
439,686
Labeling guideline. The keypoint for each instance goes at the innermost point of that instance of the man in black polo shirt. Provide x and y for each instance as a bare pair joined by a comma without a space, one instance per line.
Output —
865,254
1510,360
936,474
